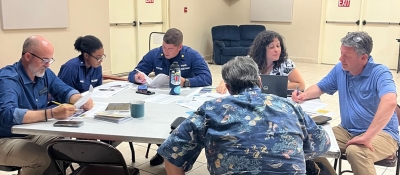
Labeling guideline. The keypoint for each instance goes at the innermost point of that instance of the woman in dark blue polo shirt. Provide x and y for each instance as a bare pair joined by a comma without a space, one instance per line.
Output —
85,70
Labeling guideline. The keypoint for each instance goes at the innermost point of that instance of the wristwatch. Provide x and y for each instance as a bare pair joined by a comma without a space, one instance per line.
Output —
186,83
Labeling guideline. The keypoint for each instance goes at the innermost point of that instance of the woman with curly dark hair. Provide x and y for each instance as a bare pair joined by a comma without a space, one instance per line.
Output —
269,52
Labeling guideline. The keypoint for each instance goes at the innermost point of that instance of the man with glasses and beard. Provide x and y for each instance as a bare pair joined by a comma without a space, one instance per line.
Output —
368,131
25,88
194,69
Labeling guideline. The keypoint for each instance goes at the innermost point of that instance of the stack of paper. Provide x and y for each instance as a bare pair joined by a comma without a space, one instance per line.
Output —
115,117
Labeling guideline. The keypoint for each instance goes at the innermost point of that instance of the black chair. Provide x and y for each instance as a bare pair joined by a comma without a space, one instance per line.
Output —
94,157
10,168
389,162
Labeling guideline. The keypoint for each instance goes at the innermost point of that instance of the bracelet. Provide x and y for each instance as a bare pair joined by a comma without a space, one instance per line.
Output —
45,114
51,111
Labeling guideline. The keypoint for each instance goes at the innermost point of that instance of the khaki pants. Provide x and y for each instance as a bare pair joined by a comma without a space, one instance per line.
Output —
360,157
29,152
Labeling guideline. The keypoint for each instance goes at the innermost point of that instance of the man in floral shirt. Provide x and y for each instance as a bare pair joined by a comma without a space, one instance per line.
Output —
246,133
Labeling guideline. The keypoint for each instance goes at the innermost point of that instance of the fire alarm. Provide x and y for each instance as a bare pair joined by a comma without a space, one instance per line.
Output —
185,9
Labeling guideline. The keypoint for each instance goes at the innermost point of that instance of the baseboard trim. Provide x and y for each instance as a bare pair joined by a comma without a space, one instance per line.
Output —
304,60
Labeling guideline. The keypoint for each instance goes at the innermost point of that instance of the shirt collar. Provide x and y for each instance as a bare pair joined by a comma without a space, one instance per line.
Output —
25,78
82,60
180,55
368,67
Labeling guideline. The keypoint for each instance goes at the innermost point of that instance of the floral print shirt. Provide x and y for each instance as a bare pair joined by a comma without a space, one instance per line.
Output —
249,133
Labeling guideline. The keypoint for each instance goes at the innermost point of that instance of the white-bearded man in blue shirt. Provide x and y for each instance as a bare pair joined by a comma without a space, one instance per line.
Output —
25,89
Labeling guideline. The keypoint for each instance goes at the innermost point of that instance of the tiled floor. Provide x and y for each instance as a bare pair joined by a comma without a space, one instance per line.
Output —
311,73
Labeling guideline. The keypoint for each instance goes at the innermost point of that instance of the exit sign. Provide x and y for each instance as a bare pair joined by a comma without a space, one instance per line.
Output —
344,3
149,1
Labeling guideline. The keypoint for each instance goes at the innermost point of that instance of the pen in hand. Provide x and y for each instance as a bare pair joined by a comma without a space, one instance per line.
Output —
297,90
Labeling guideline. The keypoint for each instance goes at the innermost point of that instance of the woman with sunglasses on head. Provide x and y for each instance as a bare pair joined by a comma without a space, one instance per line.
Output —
269,52
85,70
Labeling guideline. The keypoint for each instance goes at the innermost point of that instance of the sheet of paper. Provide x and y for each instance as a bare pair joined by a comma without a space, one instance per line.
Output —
163,99
112,88
312,106
194,105
334,145
159,80
97,107
84,98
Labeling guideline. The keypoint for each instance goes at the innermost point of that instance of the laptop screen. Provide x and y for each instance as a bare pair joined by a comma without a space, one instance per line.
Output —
274,84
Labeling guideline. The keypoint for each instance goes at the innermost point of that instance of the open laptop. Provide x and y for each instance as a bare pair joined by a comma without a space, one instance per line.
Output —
274,84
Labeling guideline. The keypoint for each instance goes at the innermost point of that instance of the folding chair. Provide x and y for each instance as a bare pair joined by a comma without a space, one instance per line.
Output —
94,157
389,162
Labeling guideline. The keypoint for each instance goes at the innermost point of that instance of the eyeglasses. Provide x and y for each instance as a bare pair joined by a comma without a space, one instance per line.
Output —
44,60
98,59
357,39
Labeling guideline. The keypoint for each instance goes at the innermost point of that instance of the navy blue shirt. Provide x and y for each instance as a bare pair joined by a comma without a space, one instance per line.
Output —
249,133
20,94
193,66
75,74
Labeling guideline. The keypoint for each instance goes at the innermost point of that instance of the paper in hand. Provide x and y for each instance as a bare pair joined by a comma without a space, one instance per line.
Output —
84,98
159,80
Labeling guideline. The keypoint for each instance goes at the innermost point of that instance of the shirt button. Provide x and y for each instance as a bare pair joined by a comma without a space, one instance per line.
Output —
36,100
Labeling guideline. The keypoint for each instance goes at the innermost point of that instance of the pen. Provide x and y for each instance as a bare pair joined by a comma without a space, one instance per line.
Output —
83,115
59,104
297,89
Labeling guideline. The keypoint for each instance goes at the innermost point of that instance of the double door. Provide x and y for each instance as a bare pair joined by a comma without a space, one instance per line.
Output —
380,19
131,22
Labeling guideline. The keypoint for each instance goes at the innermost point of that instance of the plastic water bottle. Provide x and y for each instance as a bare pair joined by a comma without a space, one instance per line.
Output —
175,79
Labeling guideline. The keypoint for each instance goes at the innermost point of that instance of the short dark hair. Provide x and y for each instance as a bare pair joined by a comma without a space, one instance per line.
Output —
240,73
173,36
258,49
88,44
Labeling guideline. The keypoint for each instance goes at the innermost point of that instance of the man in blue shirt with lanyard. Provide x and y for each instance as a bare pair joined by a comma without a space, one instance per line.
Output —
194,69
26,86
368,131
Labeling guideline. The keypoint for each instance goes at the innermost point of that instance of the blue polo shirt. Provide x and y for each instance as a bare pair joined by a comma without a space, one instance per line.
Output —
360,96
75,74
20,94
193,66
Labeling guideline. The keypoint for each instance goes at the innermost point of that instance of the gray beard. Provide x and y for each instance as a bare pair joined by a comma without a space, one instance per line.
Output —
36,72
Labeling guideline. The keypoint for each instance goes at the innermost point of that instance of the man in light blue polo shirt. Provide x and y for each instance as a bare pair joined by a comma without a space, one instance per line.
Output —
368,131
25,88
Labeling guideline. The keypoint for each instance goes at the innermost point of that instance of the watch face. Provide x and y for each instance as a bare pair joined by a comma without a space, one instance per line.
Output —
186,84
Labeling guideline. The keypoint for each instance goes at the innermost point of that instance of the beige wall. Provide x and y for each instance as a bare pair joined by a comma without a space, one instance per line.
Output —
85,17
301,36
196,24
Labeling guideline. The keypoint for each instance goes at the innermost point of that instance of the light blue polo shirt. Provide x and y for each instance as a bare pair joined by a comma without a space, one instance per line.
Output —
359,96
75,74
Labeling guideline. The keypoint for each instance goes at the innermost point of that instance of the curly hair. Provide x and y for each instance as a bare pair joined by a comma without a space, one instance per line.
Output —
258,49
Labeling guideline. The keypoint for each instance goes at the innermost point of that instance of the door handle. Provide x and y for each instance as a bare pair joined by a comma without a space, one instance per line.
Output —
150,23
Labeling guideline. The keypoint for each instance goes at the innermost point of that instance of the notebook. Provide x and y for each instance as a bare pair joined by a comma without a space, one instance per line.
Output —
115,117
120,107
274,84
